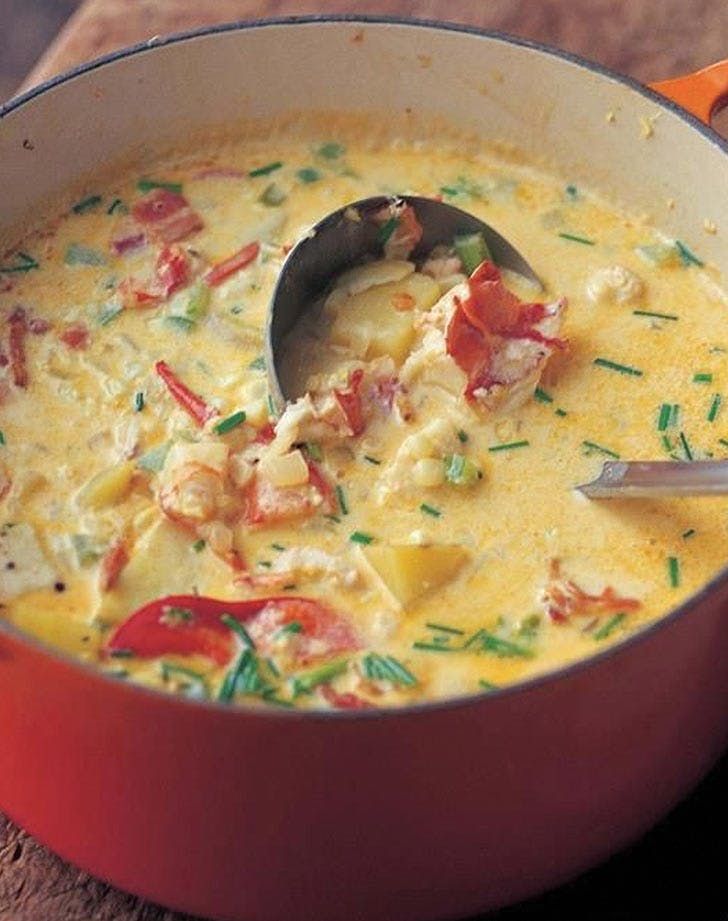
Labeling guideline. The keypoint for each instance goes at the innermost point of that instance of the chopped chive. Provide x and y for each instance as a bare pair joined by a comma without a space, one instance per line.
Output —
714,407
360,537
576,239
462,436
687,257
117,206
472,250
723,442
146,185
108,313
86,204
430,510
673,571
372,460
334,518
308,174
2,437
305,682
265,170
257,364
341,496
191,684
226,425
433,647
609,627
238,628
685,446
614,366
664,418
272,408
227,688
489,642
487,685
331,150
702,378
592,446
23,263
689,533
445,629
509,446
666,443
387,668
657,316
138,401
542,396
448,190
279,547
273,667
387,229
185,324
560,412
266,564
198,546
292,626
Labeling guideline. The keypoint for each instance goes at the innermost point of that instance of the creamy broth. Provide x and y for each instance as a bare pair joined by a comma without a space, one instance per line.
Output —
141,454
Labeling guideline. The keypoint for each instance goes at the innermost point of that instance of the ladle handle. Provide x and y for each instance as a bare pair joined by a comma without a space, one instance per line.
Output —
655,479
703,93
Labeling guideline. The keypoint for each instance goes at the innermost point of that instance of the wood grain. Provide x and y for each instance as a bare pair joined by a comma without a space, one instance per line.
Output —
649,40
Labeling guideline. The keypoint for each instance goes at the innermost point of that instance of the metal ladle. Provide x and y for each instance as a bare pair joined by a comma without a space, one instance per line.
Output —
349,237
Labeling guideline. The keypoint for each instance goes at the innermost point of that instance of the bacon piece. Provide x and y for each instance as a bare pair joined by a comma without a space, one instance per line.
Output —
127,236
218,273
350,402
407,231
488,314
16,346
171,272
564,599
166,215
75,336
112,563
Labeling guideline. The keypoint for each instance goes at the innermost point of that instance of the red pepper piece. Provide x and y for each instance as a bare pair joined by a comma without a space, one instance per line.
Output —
112,564
75,336
166,215
346,701
192,404
350,402
191,624
218,273
16,347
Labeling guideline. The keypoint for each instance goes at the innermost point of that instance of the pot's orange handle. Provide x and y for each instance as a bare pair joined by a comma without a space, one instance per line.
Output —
703,93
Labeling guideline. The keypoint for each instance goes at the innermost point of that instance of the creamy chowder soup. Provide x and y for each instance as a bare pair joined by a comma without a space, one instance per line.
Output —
408,528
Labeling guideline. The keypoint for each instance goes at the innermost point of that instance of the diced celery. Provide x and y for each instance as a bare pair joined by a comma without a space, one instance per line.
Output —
472,250
460,471
273,195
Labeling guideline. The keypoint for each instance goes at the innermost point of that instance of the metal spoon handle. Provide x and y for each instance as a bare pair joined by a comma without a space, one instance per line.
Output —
652,479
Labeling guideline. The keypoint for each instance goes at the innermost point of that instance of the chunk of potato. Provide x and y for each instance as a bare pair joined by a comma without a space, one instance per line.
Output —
106,487
373,323
23,565
408,571
366,276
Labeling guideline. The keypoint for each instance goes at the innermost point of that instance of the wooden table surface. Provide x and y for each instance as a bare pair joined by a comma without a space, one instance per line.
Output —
649,39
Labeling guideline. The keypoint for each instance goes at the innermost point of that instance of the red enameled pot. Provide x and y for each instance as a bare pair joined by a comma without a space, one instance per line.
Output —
439,810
